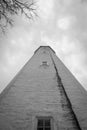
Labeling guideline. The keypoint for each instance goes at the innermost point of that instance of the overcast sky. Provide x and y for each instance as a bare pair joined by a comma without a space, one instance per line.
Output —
62,24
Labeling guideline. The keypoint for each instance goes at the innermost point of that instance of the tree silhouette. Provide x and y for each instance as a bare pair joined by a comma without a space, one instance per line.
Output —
13,7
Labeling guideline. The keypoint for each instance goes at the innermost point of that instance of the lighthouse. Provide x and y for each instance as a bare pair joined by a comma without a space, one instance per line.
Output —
44,95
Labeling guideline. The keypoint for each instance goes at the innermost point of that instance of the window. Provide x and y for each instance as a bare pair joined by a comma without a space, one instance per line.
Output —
44,124
44,64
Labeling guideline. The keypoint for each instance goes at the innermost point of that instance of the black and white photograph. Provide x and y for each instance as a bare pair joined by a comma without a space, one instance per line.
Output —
43,64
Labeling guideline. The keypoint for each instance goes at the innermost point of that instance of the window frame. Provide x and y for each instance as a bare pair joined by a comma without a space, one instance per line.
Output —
44,118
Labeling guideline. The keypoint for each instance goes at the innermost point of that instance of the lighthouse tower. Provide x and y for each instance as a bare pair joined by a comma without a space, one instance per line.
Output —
43,96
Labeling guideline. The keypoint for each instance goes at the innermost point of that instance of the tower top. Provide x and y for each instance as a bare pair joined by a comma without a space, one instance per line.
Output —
44,47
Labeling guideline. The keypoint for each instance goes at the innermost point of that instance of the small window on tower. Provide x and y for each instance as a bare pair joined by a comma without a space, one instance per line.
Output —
44,63
44,124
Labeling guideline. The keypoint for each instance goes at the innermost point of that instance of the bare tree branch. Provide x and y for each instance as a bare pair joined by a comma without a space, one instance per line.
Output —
13,7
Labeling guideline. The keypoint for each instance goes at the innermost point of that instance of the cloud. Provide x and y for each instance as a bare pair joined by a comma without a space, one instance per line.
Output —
65,22
45,8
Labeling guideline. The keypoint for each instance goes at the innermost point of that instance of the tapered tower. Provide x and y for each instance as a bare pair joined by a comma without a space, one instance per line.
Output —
43,96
